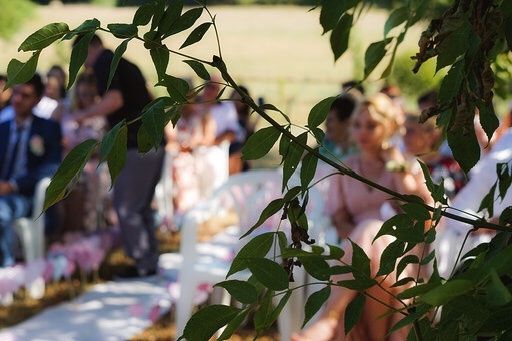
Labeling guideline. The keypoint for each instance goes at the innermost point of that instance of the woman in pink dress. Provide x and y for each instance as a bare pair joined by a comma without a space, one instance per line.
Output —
357,212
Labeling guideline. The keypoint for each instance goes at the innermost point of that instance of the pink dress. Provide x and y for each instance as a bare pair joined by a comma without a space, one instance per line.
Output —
364,205
360,201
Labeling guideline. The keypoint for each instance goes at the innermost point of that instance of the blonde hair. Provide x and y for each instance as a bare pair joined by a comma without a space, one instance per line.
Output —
382,109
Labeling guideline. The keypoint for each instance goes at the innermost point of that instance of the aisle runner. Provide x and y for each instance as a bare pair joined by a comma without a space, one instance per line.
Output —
109,311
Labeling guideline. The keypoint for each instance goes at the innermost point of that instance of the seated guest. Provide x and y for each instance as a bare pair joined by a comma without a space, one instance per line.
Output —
59,82
43,109
30,149
357,215
337,143
421,141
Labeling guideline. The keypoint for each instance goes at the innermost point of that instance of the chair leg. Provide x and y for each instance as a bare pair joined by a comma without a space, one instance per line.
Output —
185,304
291,317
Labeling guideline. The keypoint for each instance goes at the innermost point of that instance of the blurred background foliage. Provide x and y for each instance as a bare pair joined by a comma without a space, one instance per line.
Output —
13,14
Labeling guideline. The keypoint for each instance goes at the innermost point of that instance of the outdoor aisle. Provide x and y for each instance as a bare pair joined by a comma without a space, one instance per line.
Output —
108,311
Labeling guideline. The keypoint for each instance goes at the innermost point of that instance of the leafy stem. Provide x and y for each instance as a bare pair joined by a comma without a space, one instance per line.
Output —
221,66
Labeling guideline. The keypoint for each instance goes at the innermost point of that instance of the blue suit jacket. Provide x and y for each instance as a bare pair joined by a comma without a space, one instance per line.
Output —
38,166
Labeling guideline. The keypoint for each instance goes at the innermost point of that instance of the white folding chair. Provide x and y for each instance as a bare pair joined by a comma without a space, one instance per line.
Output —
31,233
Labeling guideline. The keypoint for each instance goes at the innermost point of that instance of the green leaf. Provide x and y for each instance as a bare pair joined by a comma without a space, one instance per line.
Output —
389,257
256,247
44,37
170,17
417,211
317,267
374,54
113,149
109,140
446,292
417,290
197,34
78,56
403,281
315,302
319,134
158,14
120,50
335,252
174,114
429,258
242,291
268,273
279,308
360,284
199,69
144,144
272,208
319,112
396,18
19,72
292,194
497,293
186,21
144,14
410,318
292,158
487,118
123,31
504,179
332,11
402,264
268,106
340,36
69,171
340,270
233,325
487,202
465,147
117,156
393,225
454,44
87,26
153,121
354,312
360,262
176,87
203,324
506,216
452,82
262,315
260,143
160,57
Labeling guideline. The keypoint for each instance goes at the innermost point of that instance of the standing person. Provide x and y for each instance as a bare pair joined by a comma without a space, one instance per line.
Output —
135,185
30,150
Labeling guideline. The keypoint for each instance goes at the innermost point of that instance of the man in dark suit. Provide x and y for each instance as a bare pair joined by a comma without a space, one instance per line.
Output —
30,149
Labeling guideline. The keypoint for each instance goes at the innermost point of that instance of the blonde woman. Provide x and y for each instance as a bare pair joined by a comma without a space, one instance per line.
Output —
356,212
